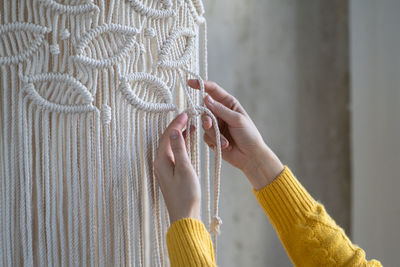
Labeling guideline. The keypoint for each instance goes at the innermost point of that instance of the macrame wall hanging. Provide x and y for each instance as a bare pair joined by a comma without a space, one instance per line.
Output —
87,88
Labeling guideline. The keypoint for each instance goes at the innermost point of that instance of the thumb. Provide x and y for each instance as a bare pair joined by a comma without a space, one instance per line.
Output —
178,148
228,115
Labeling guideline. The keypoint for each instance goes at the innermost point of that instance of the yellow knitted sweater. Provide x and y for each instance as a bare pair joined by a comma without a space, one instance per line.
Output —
309,235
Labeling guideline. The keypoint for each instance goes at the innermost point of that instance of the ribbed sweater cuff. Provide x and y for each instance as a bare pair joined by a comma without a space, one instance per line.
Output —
189,244
285,201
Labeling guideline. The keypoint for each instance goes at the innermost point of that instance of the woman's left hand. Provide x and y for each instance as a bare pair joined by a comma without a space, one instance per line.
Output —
178,181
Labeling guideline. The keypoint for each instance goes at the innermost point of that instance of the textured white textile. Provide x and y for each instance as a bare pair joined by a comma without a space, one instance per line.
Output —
87,87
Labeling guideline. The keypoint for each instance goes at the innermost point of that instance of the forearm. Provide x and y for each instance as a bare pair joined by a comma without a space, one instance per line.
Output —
309,235
189,244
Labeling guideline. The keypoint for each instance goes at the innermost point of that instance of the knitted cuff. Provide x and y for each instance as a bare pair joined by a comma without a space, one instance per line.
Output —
285,201
189,244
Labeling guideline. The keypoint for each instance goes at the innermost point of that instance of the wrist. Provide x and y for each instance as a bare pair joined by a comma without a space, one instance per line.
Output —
191,212
263,167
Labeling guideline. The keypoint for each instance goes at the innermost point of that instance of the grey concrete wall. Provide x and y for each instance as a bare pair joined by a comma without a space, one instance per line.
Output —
287,63
375,66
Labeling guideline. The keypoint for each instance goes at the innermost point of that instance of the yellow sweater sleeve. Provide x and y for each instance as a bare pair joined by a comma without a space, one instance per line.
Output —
189,244
309,235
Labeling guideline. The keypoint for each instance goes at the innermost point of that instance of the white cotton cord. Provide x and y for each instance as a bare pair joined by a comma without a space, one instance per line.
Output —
214,226
164,212
107,178
100,185
46,178
5,135
151,122
207,185
188,125
205,51
137,206
63,245
149,158
69,9
22,170
54,47
145,190
54,185
82,187
189,100
139,189
14,182
28,178
115,191
40,230
129,148
158,194
90,179
64,34
23,186
122,182
216,220
105,114
70,234
75,191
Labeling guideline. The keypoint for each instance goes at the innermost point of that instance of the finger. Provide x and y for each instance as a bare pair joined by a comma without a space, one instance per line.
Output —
184,133
211,133
219,94
206,121
216,91
178,123
178,148
209,141
210,137
164,157
226,114
209,130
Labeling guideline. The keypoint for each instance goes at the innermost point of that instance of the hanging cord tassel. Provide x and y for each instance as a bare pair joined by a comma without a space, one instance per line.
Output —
215,222
206,148
193,110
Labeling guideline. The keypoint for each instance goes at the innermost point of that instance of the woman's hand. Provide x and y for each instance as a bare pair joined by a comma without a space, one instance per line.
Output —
242,144
177,179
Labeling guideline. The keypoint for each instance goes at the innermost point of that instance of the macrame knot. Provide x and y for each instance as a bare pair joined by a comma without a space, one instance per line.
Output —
149,32
106,114
167,3
64,34
193,111
54,49
142,48
215,225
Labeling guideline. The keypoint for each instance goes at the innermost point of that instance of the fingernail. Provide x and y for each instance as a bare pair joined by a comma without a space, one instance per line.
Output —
205,122
174,134
223,142
210,100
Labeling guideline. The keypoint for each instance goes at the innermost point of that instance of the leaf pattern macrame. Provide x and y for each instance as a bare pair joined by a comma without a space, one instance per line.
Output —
87,88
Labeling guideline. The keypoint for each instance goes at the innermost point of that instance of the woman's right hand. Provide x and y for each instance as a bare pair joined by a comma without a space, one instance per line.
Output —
241,142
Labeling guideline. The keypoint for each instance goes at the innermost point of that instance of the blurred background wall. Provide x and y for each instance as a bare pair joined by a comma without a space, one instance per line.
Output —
375,93
287,63
326,100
